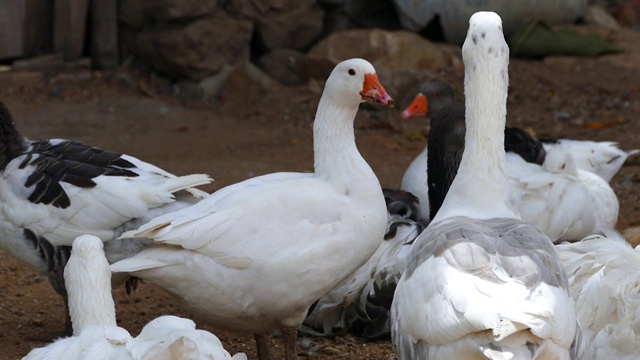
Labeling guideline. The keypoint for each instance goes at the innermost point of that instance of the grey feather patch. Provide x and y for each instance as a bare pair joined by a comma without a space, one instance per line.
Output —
474,246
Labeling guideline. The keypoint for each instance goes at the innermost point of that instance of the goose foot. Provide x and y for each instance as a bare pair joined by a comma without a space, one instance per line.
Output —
290,337
263,347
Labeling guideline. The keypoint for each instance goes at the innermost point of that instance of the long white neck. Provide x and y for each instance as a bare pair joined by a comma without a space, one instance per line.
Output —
335,151
88,283
481,189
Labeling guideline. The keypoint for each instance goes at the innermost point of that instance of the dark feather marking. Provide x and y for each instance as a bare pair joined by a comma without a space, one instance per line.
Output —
72,163
46,250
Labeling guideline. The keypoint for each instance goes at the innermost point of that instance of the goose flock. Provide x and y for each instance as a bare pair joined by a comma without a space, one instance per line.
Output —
498,245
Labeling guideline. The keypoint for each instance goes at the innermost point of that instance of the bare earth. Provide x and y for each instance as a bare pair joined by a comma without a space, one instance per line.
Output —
249,132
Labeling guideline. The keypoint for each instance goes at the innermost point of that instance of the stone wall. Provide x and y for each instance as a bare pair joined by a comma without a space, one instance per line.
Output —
291,40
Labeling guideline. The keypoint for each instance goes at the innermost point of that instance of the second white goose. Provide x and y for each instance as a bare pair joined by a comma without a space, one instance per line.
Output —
481,283
254,256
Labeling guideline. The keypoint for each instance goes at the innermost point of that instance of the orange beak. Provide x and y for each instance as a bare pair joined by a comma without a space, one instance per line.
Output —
419,107
374,92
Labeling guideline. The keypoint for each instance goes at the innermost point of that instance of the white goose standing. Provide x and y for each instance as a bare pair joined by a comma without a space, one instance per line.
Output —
480,283
96,335
254,256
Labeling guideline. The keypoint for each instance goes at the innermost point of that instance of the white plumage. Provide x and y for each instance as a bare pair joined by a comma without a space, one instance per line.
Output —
255,255
564,202
480,283
96,335
602,158
603,272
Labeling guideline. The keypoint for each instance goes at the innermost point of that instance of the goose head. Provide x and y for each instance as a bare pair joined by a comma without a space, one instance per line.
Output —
432,97
88,281
356,81
560,162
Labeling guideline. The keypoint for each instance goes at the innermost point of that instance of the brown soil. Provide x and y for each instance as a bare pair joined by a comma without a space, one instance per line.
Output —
248,133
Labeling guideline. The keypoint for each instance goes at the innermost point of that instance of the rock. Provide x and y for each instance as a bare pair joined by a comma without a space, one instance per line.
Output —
295,29
250,84
255,9
171,10
132,14
283,65
195,50
386,50
212,85
336,20
378,14
281,24
599,16
454,15
316,68
140,13
246,9
332,3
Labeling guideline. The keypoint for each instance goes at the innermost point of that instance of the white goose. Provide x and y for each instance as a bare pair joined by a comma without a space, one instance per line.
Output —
536,203
361,303
604,205
52,191
254,256
604,273
564,202
93,315
480,283
602,158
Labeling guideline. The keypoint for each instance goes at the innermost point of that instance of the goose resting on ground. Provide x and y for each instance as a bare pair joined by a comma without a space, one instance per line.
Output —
602,158
52,191
254,256
93,314
480,283
566,205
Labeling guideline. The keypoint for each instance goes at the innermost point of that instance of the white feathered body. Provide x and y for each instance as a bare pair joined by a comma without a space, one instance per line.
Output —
218,246
604,274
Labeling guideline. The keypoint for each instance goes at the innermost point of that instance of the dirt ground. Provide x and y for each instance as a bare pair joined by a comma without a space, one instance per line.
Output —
247,132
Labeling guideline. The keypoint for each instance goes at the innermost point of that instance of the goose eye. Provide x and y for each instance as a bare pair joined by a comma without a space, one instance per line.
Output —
352,72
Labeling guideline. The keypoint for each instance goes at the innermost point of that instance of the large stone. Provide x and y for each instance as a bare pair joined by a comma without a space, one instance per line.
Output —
197,49
283,65
386,50
454,15
255,9
379,14
140,13
132,14
335,20
296,28
170,10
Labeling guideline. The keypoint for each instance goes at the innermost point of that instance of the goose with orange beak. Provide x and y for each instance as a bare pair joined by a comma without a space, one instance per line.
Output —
255,255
